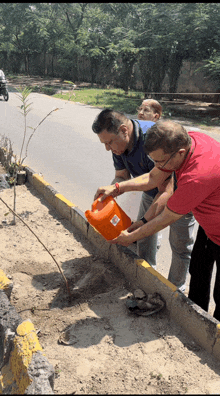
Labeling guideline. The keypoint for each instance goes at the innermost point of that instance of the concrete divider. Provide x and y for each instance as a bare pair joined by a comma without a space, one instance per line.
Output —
5,284
193,319
24,367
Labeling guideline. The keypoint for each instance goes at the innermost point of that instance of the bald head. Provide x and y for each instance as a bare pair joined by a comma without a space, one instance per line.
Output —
168,136
154,104
150,110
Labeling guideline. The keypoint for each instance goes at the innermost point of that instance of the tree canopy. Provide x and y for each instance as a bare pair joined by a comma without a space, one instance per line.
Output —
105,43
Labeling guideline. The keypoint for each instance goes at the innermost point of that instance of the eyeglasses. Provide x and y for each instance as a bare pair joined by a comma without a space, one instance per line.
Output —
162,167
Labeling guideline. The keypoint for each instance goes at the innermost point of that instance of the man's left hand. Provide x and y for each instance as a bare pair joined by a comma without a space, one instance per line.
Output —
124,239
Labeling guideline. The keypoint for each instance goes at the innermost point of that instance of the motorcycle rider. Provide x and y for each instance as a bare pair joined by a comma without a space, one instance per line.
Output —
2,75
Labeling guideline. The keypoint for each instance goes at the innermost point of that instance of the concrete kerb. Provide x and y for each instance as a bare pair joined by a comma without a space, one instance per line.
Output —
24,368
193,319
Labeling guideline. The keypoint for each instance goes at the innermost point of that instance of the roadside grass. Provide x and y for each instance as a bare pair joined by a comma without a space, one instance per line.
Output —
105,98
128,103
14,76
112,98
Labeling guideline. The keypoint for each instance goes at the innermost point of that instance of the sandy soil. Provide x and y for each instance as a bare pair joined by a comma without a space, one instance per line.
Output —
94,343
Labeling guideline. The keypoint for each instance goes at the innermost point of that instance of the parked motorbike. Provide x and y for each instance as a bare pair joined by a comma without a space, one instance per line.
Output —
4,89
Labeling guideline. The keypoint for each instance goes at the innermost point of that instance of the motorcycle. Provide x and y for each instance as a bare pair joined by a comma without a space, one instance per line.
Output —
4,89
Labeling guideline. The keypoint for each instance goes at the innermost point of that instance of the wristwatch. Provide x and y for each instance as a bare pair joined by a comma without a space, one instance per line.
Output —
144,220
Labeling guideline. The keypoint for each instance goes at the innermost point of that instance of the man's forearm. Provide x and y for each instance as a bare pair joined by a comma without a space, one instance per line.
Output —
118,179
156,224
145,182
157,205
160,200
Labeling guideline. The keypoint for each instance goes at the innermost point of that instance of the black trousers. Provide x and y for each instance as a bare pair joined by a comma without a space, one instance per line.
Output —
204,254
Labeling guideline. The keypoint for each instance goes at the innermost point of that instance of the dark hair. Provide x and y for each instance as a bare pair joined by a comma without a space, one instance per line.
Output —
167,135
110,120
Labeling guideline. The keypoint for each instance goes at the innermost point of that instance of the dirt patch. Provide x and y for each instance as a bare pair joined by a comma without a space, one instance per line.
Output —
57,83
94,343
196,111
32,81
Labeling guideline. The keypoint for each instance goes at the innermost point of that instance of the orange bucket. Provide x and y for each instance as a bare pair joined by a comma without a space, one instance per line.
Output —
108,218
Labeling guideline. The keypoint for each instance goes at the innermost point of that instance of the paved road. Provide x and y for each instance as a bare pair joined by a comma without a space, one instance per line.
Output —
69,155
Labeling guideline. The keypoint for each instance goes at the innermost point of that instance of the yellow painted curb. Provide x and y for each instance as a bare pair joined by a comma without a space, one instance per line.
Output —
5,283
15,373
145,264
41,179
66,201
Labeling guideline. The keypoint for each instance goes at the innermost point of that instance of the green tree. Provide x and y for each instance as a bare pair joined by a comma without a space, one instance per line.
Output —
121,43
153,39
108,40
171,33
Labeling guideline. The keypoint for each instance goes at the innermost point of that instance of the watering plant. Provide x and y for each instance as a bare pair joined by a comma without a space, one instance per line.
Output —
16,167
71,93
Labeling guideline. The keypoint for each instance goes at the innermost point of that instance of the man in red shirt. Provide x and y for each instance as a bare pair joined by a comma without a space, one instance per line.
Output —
181,236
195,158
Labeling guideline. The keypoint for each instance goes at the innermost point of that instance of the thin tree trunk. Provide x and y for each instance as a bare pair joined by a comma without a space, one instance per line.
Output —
14,205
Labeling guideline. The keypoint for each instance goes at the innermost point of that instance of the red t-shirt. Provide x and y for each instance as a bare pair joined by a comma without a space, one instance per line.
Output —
198,185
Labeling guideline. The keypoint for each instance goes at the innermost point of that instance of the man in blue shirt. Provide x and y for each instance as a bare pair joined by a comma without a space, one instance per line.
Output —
125,138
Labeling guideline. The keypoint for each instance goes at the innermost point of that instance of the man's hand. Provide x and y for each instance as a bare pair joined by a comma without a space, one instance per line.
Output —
135,225
120,176
106,191
124,239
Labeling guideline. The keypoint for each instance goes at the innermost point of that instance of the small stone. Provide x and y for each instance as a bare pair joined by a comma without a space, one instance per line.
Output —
138,293
107,327
142,305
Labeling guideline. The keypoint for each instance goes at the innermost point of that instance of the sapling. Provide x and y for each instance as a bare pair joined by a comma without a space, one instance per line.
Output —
17,165
71,93
25,108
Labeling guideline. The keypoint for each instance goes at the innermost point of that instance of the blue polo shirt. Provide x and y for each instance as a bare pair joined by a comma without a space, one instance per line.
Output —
136,161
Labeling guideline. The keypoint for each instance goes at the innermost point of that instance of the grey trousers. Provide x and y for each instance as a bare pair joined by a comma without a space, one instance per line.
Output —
181,241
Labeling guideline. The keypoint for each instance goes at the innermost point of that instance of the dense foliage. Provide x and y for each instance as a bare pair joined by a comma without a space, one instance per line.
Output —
109,43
